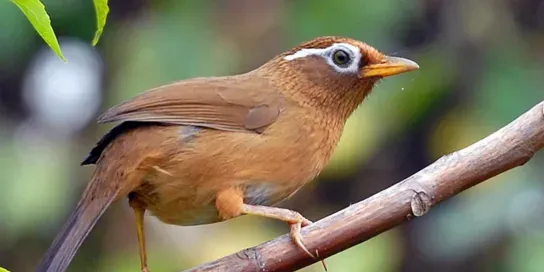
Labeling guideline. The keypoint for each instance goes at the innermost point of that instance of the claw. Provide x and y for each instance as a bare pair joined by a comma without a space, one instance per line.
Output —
297,239
322,261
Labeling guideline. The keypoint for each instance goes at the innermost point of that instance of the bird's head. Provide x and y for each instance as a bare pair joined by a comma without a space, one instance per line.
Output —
333,72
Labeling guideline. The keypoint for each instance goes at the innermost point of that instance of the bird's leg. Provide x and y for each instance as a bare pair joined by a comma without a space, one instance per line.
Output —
230,204
139,212
294,219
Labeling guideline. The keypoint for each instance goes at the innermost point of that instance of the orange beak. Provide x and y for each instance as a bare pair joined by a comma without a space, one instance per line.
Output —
388,67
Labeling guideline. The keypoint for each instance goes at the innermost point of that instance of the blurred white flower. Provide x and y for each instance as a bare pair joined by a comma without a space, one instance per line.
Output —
64,96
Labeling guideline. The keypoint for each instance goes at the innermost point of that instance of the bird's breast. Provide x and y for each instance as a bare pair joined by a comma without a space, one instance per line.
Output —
199,163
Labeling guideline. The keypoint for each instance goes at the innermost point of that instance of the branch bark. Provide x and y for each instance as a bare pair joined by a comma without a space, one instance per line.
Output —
511,146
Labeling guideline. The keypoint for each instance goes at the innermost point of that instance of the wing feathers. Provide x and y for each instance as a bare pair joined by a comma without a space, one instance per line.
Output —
220,103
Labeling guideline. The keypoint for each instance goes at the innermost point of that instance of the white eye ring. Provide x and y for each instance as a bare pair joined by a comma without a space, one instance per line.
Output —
351,67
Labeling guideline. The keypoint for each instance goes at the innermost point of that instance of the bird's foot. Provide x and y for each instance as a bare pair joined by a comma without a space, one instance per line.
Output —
295,220
297,237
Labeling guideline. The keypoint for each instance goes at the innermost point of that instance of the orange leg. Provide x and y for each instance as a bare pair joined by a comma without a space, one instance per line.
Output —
230,204
139,212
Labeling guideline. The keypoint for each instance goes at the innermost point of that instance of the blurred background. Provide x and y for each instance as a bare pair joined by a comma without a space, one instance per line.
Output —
482,65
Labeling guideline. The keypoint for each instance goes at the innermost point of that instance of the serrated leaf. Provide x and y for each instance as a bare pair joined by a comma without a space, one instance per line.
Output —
35,12
3,270
102,10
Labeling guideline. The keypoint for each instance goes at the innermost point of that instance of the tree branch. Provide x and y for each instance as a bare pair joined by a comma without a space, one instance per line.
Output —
511,146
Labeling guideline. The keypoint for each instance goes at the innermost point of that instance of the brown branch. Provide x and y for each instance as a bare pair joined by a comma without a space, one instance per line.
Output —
507,148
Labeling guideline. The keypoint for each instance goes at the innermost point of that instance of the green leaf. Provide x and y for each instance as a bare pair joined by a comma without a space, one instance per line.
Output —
35,12
102,10
3,270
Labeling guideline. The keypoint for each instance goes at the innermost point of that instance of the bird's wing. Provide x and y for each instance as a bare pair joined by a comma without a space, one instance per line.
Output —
238,103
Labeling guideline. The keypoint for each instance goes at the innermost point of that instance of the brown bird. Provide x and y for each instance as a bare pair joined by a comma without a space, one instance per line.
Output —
205,150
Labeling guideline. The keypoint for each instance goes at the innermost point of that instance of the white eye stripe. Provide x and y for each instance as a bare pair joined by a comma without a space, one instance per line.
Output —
326,53
304,52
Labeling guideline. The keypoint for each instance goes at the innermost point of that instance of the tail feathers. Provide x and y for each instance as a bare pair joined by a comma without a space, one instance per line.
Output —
73,233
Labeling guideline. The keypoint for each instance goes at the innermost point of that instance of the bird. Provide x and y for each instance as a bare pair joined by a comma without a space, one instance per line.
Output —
208,149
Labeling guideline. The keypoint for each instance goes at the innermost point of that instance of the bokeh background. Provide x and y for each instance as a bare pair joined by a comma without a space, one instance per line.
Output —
482,65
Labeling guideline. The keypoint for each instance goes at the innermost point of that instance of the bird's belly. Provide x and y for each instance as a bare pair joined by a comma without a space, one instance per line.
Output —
182,189
176,202
188,208
183,213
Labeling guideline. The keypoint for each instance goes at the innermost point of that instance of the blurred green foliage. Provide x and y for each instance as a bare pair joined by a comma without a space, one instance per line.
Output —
102,10
35,12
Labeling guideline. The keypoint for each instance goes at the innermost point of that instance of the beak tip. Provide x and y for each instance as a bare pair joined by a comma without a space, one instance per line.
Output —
411,65
390,66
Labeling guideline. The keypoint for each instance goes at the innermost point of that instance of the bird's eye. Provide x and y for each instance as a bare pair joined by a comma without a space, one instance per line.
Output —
341,57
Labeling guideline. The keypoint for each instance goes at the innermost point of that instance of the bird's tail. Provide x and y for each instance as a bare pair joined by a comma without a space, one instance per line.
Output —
94,202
